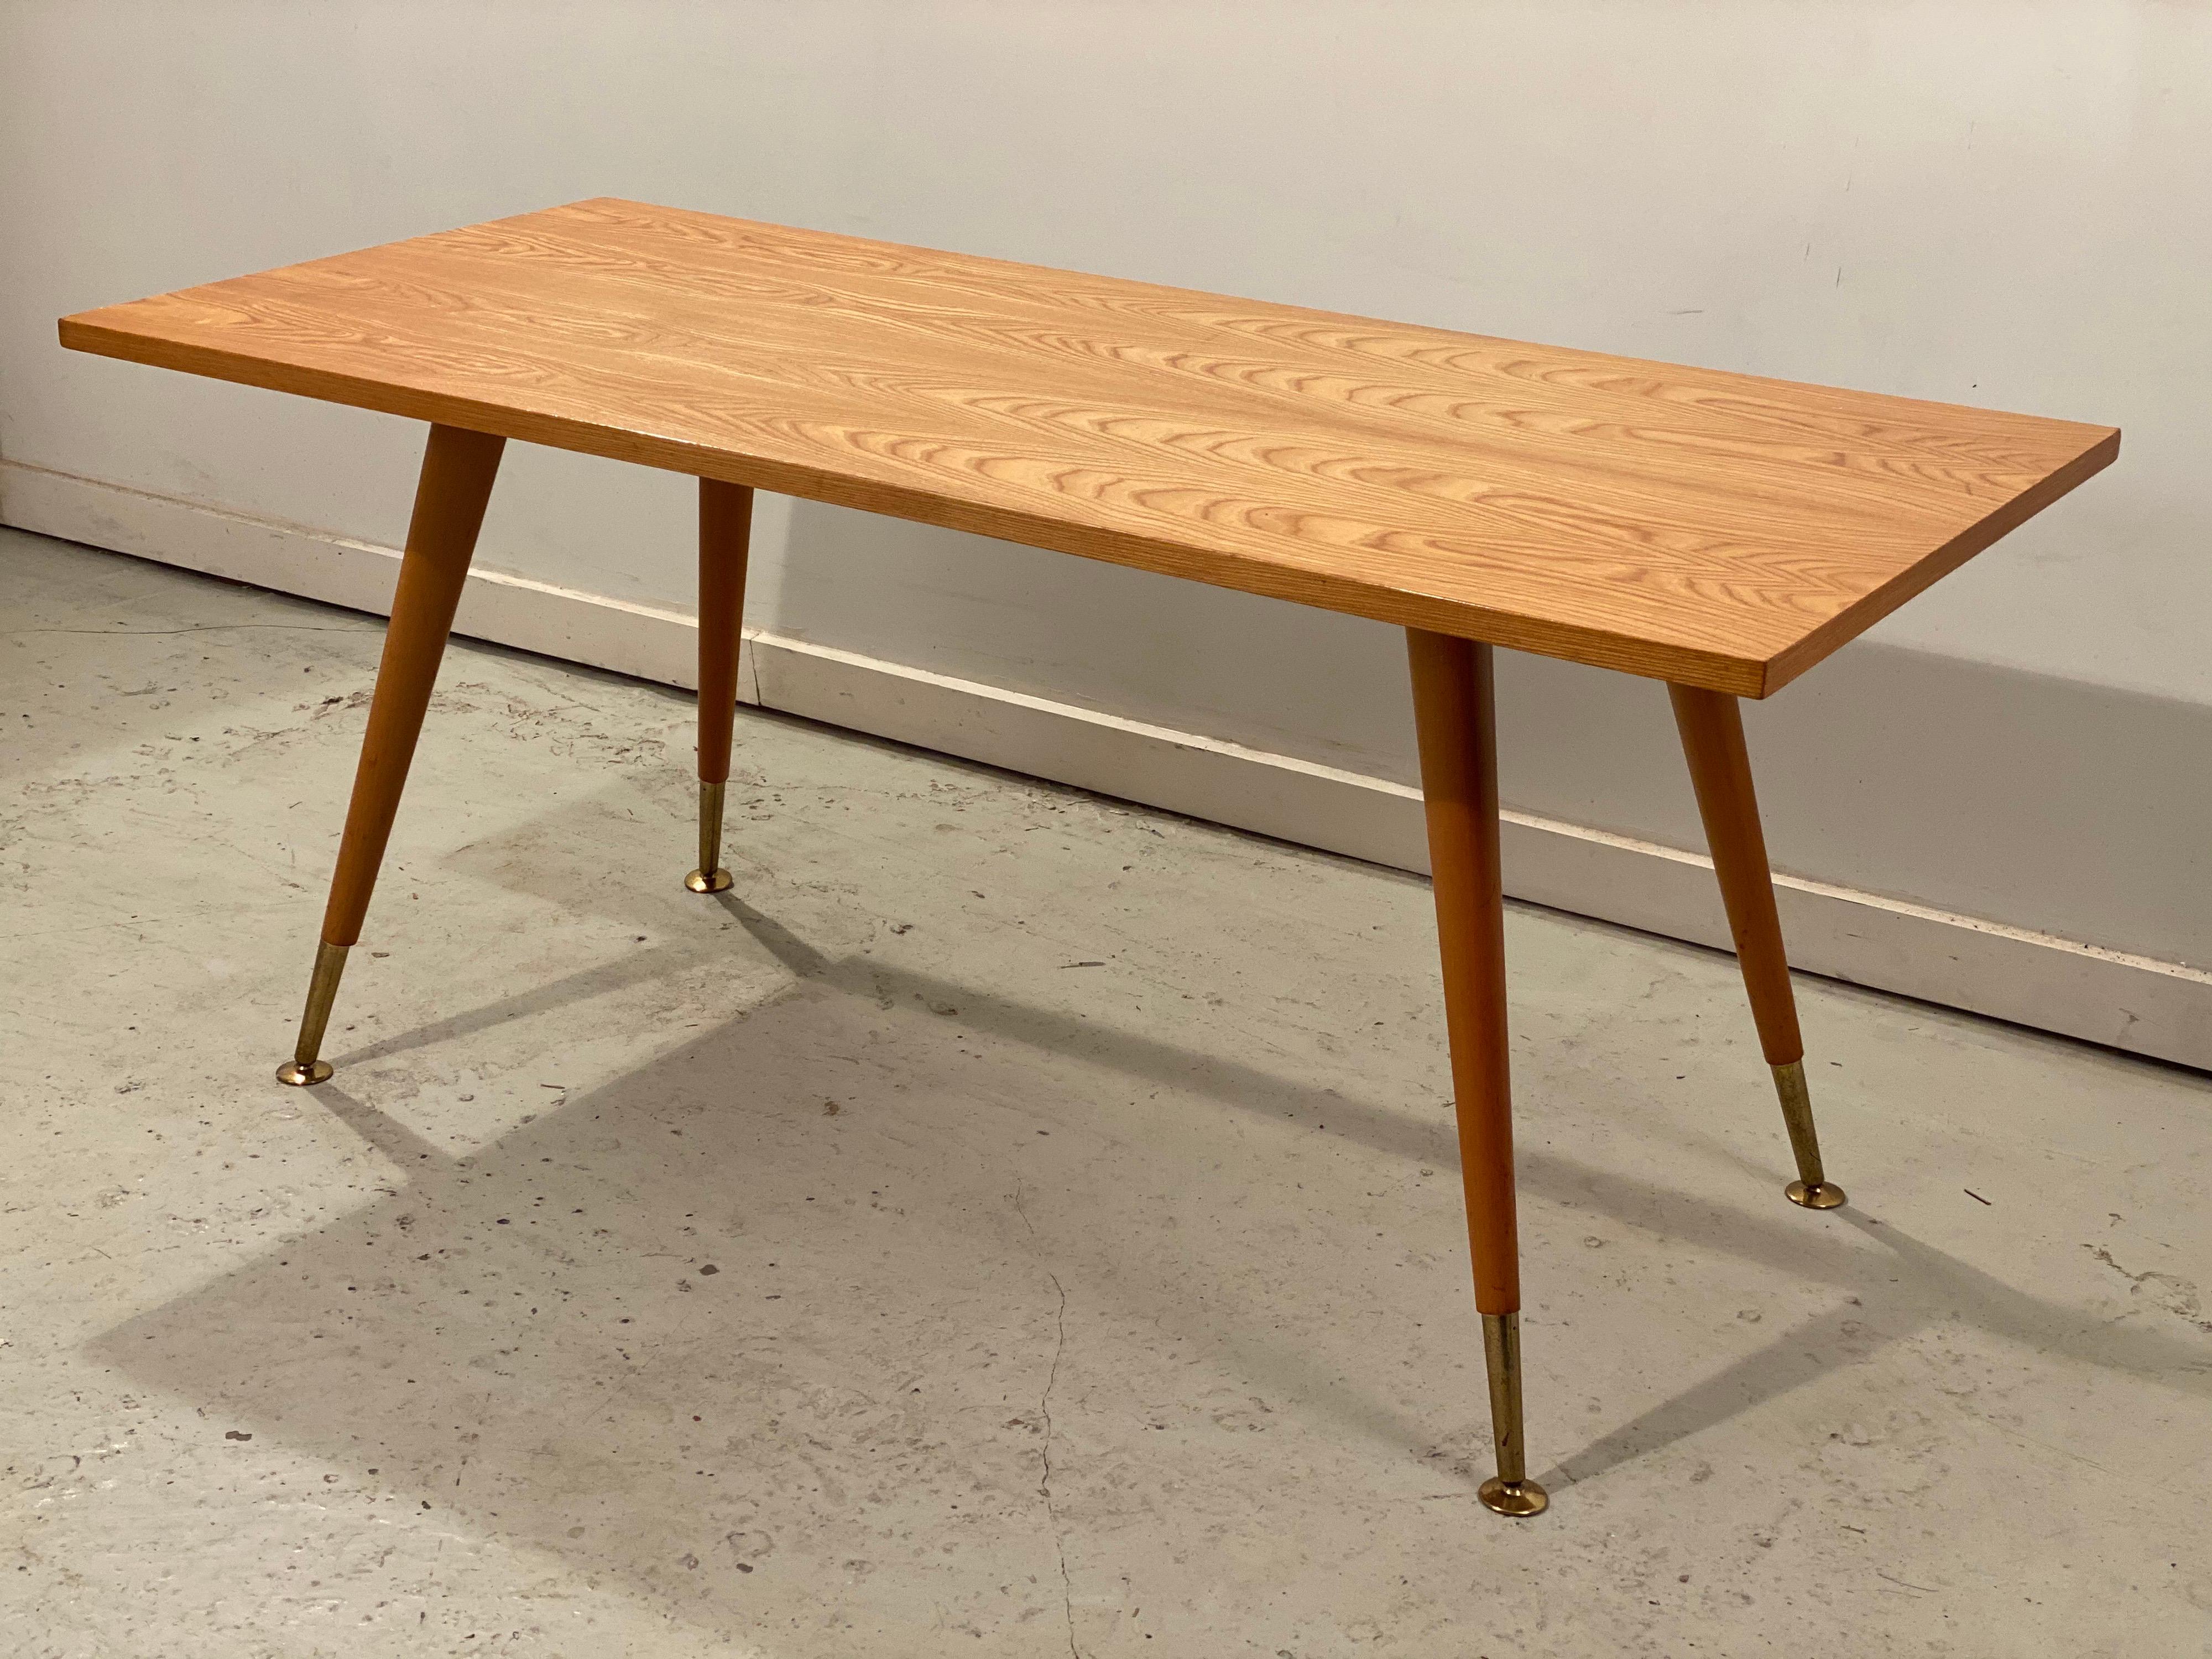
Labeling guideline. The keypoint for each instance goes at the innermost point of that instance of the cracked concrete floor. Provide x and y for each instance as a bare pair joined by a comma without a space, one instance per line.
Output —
1009,1223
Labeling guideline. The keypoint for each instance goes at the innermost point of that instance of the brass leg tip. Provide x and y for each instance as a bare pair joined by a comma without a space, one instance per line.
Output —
1815,1195
1514,1498
299,1076
706,881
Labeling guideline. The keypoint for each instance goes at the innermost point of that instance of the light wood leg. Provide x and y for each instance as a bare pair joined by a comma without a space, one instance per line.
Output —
726,519
1454,715
1711,724
458,468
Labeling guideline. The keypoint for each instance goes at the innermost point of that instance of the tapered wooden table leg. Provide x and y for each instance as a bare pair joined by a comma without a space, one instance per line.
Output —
458,468
1453,712
725,521
1711,725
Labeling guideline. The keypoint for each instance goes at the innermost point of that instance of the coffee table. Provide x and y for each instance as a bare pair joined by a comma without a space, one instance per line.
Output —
1718,532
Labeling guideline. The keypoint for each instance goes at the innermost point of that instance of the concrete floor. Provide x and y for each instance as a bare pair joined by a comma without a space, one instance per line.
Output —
1010,1223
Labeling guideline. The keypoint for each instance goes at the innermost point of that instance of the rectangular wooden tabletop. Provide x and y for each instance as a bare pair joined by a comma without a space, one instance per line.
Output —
1714,529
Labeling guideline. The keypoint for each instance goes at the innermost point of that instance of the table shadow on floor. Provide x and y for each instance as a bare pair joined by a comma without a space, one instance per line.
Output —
530,1333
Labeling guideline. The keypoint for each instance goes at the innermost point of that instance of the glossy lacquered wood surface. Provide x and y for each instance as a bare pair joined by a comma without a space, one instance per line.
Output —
1706,528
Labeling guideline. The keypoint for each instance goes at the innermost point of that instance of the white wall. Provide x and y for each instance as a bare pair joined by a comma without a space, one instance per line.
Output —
2002,203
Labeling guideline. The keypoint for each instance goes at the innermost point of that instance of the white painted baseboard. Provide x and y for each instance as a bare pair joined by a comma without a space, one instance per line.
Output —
2146,1007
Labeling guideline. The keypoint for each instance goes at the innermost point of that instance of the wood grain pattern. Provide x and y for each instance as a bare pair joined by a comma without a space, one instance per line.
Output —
1709,529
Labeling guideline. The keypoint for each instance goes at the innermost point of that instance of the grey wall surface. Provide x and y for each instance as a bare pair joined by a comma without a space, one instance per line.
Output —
1992,202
